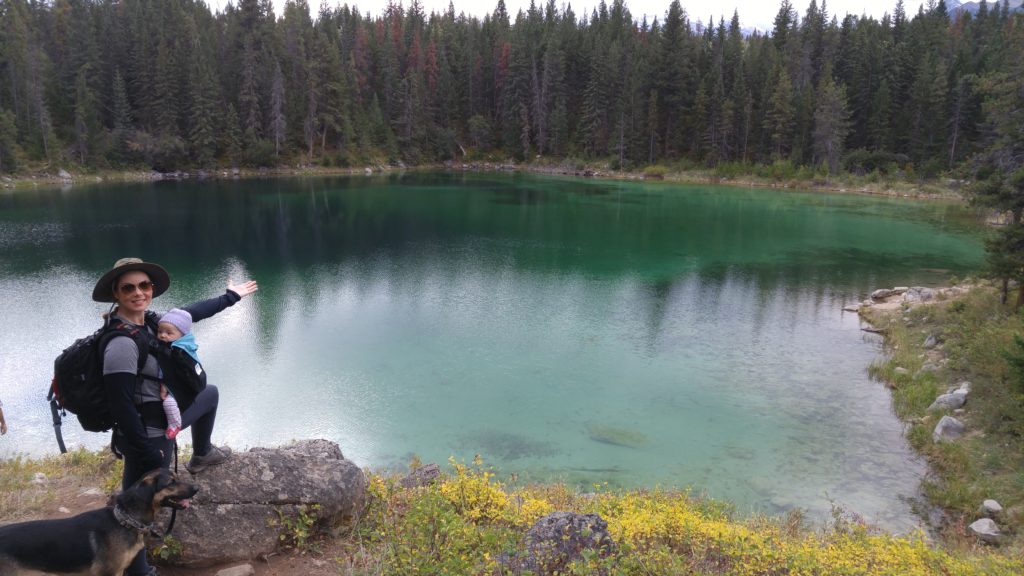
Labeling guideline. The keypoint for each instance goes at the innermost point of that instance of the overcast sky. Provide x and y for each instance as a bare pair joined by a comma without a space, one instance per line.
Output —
753,13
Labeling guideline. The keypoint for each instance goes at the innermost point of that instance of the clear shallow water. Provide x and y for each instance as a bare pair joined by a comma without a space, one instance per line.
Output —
589,331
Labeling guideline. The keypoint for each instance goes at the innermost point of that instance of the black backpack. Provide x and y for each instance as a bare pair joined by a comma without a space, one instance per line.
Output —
77,385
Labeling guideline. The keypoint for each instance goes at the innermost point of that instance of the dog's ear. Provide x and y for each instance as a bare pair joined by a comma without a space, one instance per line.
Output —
140,494
164,479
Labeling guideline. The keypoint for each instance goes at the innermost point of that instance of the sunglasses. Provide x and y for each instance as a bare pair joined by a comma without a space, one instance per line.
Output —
144,286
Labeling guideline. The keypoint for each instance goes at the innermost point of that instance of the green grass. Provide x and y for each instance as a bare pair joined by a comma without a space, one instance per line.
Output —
20,498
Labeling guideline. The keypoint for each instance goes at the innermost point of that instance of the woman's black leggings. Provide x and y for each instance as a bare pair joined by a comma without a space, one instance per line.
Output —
200,416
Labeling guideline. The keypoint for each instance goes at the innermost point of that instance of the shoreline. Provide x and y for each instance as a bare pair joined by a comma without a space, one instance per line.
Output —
931,338
842,184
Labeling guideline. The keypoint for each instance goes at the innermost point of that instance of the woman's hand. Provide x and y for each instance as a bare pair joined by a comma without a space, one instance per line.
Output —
243,289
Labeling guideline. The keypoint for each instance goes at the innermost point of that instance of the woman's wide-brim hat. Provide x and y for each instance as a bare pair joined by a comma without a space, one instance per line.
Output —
104,290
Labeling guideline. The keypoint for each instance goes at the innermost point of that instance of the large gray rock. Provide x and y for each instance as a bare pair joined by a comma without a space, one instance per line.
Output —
950,401
238,512
991,508
558,539
986,529
918,294
948,429
881,294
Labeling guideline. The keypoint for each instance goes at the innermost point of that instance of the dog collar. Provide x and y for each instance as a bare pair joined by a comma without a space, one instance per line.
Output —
125,519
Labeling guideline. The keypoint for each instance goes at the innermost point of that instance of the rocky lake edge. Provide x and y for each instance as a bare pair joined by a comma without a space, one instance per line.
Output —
918,370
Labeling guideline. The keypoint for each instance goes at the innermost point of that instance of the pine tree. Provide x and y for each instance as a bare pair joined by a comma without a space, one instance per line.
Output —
122,117
879,121
831,124
277,115
85,116
202,136
15,62
8,141
165,102
780,116
677,86
231,136
122,111
249,98
999,167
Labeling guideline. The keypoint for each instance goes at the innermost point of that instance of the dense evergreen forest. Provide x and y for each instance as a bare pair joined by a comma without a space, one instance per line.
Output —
168,84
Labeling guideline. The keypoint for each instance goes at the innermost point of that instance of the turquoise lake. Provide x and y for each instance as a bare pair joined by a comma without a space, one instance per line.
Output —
634,334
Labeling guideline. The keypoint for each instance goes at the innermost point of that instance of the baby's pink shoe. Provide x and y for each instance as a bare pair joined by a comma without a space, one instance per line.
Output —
172,432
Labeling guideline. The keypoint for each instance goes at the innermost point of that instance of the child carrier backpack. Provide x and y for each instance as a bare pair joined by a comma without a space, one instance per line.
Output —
183,375
77,384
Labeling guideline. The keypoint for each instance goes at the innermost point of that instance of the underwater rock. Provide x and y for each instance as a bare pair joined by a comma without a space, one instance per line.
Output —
505,446
616,436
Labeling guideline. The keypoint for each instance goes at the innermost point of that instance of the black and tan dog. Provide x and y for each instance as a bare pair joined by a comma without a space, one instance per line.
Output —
99,542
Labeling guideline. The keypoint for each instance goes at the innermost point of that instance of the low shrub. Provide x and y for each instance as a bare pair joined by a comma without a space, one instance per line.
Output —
655,171
469,521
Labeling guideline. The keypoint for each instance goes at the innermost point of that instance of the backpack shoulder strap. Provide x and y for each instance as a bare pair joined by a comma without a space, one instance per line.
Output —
114,328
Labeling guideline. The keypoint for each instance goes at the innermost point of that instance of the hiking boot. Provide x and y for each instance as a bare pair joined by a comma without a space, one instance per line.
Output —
215,456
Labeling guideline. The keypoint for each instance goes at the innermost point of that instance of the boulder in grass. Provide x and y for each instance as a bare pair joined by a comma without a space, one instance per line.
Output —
558,539
951,401
991,508
948,429
243,505
986,529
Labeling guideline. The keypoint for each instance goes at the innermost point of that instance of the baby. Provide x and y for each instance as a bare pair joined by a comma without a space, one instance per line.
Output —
175,328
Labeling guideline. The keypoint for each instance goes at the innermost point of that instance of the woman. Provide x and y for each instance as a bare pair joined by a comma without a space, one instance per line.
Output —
133,392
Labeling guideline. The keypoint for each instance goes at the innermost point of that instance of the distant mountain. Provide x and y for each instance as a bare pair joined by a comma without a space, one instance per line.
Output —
954,7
